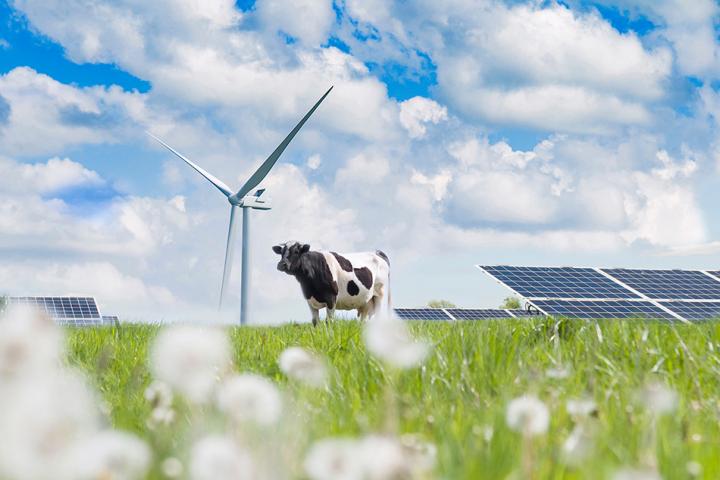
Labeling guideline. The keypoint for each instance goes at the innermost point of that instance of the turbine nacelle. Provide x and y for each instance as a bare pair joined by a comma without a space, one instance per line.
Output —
257,201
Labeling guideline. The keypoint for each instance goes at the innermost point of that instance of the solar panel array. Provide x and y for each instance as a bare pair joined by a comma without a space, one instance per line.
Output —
459,313
73,311
615,292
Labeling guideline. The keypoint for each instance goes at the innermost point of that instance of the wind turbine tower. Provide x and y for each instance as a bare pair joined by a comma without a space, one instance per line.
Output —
244,199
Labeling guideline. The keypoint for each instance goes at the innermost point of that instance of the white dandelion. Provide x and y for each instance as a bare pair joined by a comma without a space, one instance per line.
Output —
172,467
335,459
578,445
528,415
220,458
384,458
30,343
303,366
636,474
41,420
581,408
161,417
421,455
191,359
110,454
388,339
250,398
658,398
558,372
159,394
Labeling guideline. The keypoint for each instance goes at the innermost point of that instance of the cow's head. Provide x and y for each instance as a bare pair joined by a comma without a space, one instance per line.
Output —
290,254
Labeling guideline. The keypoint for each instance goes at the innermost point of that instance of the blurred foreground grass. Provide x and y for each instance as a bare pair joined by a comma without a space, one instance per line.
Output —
458,399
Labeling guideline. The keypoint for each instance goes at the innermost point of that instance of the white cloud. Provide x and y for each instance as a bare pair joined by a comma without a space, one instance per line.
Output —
52,176
307,20
690,29
362,169
46,115
313,162
4,44
417,111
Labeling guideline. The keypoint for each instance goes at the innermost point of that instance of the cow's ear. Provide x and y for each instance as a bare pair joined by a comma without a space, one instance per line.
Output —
277,249
305,248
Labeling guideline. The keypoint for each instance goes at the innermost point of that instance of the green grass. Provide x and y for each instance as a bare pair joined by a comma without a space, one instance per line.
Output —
463,389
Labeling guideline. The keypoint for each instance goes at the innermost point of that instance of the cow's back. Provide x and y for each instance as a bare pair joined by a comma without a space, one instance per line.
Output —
360,276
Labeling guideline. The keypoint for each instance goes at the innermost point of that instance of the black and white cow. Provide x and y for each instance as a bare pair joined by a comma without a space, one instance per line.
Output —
352,281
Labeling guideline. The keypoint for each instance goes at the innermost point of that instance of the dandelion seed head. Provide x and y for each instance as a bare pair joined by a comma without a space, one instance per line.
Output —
658,398
190,360
159,395
421,455
578,445
334,459
389,339
250,398
558,373
581,408
693,468
527,415
220,458
30,343
44,417
172,467
385,458
636,474
303,366
110,454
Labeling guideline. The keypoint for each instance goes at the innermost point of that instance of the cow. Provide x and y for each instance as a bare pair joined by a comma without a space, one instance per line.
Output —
352,281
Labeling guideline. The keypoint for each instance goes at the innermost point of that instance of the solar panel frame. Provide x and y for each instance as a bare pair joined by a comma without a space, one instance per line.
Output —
596,309
668,284
422,314
558,282
695,310
477,313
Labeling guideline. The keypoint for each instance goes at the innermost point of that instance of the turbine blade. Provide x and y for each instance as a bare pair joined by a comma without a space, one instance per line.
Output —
228,254
211,178
264,169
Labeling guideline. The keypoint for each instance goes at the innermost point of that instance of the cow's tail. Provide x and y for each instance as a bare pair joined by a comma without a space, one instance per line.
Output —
382,255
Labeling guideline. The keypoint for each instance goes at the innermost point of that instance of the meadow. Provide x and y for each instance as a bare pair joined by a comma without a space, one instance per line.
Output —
650,395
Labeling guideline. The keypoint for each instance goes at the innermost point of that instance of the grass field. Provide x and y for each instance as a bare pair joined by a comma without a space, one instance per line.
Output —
458,398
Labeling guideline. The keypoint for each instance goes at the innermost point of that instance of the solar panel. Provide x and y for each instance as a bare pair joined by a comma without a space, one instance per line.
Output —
695,310
422,314
669,284
110,320
602,309
74,311
558,282
477,313
525,313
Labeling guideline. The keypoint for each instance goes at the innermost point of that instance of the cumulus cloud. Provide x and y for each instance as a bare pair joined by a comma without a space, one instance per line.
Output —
417,111
44,115
306,20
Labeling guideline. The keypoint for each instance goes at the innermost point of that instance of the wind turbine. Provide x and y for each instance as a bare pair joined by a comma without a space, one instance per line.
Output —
242,199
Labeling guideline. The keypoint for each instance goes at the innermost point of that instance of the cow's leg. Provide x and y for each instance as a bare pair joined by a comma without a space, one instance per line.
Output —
330,314
374,303
363,312
315,315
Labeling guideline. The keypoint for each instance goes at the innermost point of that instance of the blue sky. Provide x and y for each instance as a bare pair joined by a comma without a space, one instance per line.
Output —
544,133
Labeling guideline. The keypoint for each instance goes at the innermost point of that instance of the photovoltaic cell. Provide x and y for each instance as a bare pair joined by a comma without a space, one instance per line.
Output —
558,282
75,311
477,313
669,284
602,309
422,314
526,313
694,310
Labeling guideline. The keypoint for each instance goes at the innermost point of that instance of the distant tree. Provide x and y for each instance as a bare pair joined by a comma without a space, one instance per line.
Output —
3,302
441,304
511,303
